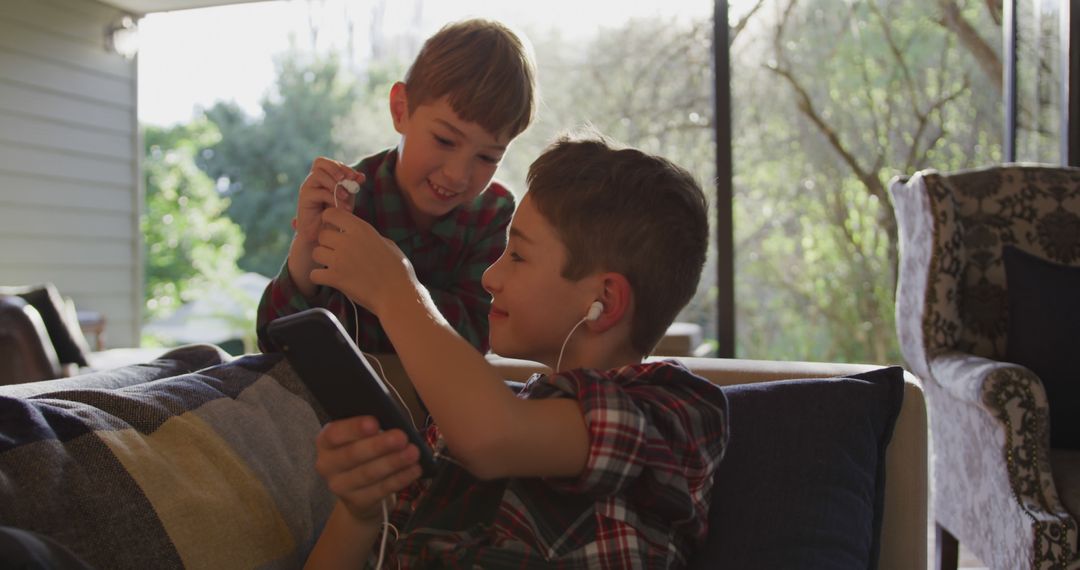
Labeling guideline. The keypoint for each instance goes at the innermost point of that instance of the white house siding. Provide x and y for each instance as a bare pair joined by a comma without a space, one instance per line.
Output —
70,189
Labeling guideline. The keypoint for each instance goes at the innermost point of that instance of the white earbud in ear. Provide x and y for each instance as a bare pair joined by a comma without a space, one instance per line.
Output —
350,186
594,313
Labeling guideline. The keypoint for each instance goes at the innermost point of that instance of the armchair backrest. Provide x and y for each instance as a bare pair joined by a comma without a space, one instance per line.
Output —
953,227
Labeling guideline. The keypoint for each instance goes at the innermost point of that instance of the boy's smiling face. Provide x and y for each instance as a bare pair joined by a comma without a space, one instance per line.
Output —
533,306
443,161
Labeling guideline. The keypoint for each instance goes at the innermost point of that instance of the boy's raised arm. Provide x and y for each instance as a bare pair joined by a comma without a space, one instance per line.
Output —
491,431
292,289
316,194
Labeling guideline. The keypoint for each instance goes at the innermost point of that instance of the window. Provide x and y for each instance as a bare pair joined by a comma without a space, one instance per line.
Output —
639,72
1040,62
830,100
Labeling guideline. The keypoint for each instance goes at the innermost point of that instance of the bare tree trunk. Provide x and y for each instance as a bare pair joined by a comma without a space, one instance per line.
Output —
985,56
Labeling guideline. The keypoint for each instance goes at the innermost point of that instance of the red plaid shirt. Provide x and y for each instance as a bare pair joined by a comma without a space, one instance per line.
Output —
449,260
656,435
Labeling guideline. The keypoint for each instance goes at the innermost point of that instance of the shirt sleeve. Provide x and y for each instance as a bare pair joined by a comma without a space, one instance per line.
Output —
465,304
407,498
282,297
655,436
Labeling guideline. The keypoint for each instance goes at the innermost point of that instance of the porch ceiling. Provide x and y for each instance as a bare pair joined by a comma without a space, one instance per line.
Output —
140,7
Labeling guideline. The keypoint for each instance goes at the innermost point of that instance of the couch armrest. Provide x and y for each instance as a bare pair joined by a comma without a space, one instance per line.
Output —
26,353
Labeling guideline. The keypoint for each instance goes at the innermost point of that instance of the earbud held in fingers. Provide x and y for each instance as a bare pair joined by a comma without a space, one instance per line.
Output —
350,186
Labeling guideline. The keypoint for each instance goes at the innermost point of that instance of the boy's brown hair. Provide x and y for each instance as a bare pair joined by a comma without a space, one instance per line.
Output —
623,210
484,69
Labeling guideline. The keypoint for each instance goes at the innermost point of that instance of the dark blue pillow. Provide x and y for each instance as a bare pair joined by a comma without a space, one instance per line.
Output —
802,483
1044,334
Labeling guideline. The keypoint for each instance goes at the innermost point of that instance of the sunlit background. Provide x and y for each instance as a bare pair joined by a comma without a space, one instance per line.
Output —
830,100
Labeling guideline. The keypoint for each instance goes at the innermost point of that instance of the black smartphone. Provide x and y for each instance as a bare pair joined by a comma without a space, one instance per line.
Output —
337,374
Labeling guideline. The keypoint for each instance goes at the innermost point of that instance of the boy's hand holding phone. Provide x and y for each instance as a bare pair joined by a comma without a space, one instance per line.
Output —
362,465
317,194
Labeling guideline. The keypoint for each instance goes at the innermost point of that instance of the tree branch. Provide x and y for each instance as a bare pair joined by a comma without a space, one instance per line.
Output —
741,24
985,56
806,107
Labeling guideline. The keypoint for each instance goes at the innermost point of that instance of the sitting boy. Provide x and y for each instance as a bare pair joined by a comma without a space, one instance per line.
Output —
466,96
605,463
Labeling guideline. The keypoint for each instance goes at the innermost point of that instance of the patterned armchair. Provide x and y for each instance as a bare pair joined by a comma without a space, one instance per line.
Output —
993,470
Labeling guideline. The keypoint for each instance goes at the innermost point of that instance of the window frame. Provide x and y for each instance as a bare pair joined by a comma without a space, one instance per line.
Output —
724,222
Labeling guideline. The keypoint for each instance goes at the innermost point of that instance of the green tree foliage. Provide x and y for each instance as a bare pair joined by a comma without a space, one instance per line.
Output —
191,246
833,98
647,83
263,160
368,128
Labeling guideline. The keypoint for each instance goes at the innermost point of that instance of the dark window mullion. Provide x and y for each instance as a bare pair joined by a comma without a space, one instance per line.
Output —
1008,30
1070,84
724,225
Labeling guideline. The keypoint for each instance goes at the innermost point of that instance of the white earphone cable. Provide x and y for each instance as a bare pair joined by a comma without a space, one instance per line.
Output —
558,363
382,374
382,542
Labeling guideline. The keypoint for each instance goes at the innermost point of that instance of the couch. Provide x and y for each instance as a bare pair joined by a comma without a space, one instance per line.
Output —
40,338
201,460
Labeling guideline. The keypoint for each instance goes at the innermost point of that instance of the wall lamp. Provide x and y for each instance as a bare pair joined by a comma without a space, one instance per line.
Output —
122,37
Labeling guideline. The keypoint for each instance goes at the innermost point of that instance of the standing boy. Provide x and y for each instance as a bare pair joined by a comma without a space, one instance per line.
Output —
466,96
606,463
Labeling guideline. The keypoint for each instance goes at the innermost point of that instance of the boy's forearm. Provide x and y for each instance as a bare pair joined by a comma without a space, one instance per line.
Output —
487,428
466,312
461,389
344,543
300,265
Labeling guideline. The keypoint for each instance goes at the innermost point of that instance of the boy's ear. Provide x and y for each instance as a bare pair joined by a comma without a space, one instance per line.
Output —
618,299
399,106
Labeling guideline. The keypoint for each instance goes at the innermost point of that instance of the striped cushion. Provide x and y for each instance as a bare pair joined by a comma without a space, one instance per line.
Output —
167,468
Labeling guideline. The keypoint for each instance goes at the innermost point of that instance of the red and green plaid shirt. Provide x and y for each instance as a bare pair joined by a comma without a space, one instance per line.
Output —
656,435
449,259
